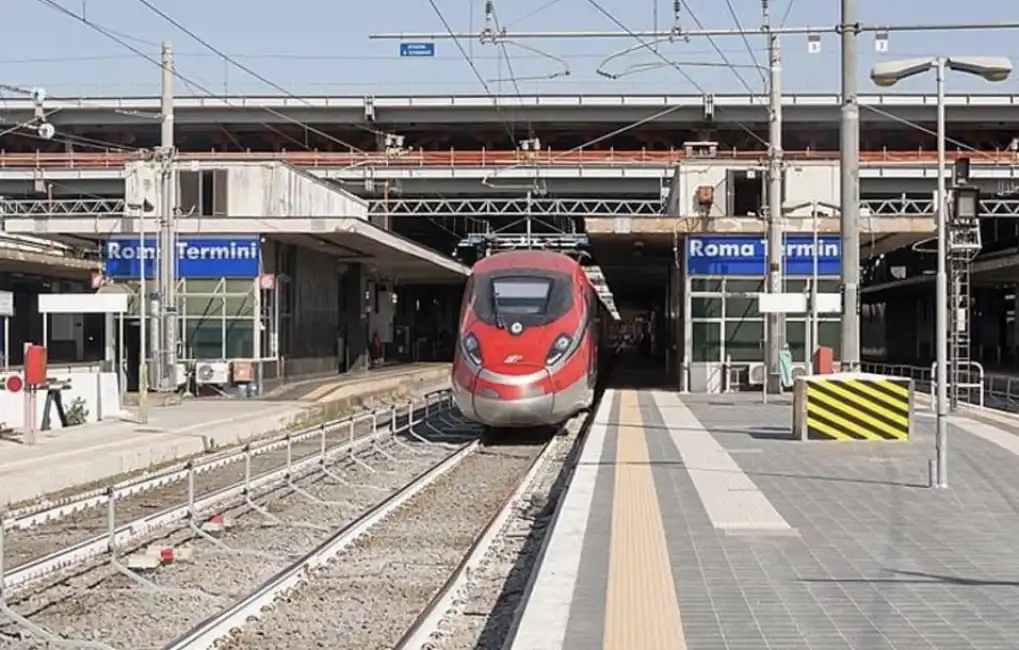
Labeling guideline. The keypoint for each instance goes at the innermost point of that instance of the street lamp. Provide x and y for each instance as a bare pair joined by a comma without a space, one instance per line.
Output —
888,73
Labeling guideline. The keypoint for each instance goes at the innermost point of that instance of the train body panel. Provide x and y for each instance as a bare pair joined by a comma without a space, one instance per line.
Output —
527,349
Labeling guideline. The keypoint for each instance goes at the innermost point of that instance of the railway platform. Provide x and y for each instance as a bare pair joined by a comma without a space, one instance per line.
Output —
68,458
696,522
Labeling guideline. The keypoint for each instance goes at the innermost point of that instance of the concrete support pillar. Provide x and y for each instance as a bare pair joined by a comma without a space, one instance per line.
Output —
355,317
110,343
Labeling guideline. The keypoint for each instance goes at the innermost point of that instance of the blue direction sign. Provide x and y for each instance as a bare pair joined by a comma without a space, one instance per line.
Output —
417,49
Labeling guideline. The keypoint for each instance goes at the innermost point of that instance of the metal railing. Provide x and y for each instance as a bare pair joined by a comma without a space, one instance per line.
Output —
977,389
482,157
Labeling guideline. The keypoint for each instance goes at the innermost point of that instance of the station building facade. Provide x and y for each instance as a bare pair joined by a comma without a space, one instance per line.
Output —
723,329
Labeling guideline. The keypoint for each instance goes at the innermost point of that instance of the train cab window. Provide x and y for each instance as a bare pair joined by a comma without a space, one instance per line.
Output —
532,299
521,295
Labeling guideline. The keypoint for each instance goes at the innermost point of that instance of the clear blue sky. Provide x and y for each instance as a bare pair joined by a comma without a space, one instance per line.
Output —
314,47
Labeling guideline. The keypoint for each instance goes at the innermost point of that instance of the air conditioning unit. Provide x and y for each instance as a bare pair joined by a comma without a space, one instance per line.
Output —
212,372
757,374
180,374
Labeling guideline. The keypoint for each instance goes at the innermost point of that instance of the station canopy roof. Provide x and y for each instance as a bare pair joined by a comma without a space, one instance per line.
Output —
349,239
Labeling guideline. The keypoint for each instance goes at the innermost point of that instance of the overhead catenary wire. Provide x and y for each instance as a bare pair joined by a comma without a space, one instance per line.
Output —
746,43
230,60
645,45
493,33
177,74
788,10
248,70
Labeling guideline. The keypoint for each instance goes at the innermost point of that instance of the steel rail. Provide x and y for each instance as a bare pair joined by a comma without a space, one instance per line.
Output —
126,534
426,625
50,510
210,632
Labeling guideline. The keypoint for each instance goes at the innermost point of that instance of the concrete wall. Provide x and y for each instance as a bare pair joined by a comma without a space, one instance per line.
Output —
383,312
274,190
805,182
315,315
140,183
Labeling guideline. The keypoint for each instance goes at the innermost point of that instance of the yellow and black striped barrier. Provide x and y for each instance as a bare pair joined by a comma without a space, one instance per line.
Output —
853,406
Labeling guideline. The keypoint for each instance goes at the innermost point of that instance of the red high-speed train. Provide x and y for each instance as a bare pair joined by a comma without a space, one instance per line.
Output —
528,343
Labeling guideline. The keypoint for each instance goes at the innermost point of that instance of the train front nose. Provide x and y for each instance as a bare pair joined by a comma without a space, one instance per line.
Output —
520,396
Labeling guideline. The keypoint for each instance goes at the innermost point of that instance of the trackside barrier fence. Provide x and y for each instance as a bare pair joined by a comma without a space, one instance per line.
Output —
384,423
976,388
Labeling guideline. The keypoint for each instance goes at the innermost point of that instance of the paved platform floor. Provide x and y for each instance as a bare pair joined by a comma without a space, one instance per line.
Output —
65,458
695,522
329,388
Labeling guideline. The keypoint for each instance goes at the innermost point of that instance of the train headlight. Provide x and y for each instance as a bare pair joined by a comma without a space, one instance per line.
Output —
472,348
558,349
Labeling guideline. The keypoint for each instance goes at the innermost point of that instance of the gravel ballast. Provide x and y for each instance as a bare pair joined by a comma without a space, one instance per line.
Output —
368,596
24,545
102,605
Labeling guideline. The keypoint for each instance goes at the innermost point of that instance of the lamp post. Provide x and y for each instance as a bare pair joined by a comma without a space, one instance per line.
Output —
889,73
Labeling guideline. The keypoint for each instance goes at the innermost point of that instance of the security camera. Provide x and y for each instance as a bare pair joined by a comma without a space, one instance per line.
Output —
46,131
38,95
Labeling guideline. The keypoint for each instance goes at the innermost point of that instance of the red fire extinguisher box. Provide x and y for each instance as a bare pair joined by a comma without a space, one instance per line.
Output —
35,364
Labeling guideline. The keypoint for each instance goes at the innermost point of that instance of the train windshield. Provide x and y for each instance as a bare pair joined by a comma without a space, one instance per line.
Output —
521,295
531,299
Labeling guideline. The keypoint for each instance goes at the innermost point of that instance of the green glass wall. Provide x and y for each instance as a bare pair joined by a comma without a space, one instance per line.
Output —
725,321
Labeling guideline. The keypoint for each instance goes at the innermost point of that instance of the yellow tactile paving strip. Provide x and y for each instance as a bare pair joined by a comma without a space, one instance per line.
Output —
641,608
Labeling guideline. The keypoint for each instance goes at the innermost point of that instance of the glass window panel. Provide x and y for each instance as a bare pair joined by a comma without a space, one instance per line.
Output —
796,336
707,341
239,306
828,286
202,286
239,286
240,339
203,307
830,335
204,338
741,307
733,285
744,340
705,284
795,285
705,307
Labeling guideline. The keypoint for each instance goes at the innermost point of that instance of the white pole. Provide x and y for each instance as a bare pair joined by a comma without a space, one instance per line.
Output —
143,323
167,346
813,289
941,292
7,344
775,322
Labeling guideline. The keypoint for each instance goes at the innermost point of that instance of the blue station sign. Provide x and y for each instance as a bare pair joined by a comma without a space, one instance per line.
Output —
747,255
197,257
417,49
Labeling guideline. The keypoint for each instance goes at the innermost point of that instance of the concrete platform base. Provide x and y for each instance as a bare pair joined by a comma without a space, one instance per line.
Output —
71,460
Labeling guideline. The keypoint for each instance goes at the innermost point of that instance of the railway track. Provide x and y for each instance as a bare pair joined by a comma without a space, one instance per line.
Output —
384,542
37,540
113,601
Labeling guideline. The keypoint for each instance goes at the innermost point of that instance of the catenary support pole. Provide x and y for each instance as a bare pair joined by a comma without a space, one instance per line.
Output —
849,165
167,235
941,293
775,322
